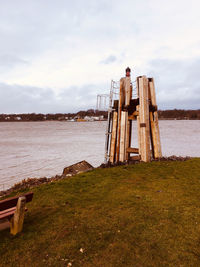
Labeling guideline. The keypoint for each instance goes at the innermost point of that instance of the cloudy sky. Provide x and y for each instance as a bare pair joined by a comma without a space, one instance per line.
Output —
56,56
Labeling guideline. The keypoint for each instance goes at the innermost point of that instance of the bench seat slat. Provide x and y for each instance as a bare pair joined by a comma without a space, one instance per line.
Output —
8,213
8,210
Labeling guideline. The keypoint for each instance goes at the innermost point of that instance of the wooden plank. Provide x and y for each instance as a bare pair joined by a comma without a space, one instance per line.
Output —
12,201
144,120
7,213
133,150
135,158
130,136
17,220
122,137
151,134
4,225
127,135
138,116
127,87
113,137
119,118
156,144
128,95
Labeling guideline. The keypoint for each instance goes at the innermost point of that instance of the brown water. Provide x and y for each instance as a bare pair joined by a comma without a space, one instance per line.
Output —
38,149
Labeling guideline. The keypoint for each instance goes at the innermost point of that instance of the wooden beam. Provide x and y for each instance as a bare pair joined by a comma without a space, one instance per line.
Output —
113,137
128,94
127,87
156,144
133,116
12,201
138,117
18,218
133,150
119,118
135,158
122,137
144,120
128,134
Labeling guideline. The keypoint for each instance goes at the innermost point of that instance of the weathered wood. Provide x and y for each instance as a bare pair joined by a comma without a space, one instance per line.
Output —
122,137
127,87
12,201
133,150
18,218
151,128
113,137
138,116
130,135
133,115
127,135
4,224
156,145
128,94
82,166
144,143
135,158
121,93
7,214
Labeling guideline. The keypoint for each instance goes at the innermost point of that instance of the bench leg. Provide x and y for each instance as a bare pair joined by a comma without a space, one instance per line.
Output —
16,223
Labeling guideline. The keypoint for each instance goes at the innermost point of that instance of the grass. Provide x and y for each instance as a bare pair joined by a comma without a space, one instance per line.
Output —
138,215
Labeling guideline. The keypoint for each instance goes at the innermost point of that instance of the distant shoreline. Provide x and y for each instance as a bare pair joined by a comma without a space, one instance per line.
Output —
95,115
160,119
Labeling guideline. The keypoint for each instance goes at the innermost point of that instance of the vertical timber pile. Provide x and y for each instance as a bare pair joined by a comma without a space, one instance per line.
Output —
121,93
128,96
155,133
144,133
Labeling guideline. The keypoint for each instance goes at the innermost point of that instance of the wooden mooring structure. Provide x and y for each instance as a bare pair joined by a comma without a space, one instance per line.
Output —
127,107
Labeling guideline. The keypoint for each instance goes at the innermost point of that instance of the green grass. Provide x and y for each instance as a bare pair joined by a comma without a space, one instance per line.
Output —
138,215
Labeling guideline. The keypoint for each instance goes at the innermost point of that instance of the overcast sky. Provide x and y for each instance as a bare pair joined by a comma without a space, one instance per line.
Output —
56,56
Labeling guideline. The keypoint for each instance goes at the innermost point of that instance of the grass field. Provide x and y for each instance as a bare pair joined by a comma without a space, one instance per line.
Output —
146,214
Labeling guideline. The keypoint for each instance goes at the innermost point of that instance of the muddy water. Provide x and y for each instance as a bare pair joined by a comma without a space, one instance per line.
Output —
37,149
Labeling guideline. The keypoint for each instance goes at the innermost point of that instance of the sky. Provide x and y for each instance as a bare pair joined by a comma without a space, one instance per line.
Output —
56,56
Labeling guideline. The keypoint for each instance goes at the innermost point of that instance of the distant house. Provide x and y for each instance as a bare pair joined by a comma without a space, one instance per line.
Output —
88,118
96,118
18,118
101,117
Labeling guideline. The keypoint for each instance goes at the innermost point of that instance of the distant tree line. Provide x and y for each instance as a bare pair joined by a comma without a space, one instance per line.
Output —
51,116
179,114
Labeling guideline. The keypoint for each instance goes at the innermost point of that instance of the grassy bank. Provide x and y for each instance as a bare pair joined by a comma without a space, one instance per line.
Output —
136,215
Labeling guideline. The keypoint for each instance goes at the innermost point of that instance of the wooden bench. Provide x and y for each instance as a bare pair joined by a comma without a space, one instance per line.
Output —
12,209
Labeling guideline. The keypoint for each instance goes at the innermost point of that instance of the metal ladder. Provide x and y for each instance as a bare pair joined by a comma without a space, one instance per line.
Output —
114,90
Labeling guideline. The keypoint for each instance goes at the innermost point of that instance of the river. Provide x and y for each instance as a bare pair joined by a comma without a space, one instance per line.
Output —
38,149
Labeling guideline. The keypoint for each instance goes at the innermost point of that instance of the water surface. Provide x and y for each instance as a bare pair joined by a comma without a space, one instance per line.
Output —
38,149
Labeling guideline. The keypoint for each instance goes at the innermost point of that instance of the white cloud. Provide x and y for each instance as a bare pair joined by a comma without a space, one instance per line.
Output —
62,44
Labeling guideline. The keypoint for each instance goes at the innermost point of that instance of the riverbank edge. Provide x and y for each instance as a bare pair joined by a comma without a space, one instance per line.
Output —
29,183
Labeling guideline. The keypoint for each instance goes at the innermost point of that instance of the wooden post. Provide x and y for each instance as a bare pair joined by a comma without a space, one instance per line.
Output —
128,95
121,96
154,122
144,120
122,137
113,138
138,117
18,218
